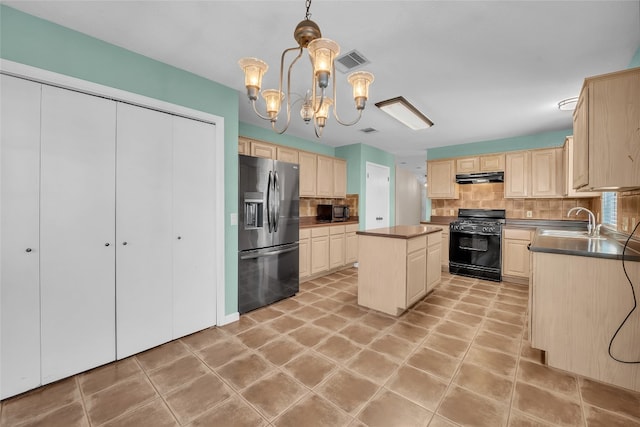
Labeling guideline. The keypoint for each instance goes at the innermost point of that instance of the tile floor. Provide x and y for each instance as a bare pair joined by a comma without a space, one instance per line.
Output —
459,357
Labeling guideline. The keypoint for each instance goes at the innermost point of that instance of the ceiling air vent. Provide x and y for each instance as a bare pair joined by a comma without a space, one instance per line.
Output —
368,130
350,61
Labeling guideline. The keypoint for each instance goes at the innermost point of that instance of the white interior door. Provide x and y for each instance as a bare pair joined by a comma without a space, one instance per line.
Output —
76,232
377,190
143,229
194,283
19,239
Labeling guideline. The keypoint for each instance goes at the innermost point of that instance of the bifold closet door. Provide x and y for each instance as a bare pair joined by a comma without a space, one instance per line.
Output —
77,257
143,229
194,296
19,239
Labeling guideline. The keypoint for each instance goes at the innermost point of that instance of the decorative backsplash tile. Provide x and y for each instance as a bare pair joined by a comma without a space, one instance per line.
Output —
308,204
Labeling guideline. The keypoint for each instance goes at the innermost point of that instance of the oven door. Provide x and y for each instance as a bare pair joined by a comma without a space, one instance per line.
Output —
475,254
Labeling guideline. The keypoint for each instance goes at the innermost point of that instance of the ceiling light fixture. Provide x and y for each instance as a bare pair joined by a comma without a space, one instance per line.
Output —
568,104
402,110
316,103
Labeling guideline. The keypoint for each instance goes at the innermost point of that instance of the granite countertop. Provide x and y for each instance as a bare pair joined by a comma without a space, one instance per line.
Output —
311,222
605,247
401,231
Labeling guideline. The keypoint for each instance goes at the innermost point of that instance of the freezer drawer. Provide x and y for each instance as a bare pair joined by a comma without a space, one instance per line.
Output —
267,275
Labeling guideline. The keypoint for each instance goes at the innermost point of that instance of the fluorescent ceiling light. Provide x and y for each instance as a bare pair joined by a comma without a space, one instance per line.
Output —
401,110
568,104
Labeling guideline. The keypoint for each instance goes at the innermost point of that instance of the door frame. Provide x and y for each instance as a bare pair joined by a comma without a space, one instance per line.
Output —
388,212
39,75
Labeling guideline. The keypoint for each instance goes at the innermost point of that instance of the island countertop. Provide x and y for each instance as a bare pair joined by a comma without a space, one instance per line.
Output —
401,231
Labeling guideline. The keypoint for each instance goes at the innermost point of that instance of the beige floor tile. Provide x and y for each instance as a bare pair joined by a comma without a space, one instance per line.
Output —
506,329
273,394
285,324
466,319
245,370
233,412
419,387
287,305
313,411
391,409
506,317
455,330
482,293
530,353
497,362
548,378
614,399
408,332
597,417
515,309
325,291
467,408
154,414
373,365
166,353
222,352
71,415
393,346
349,311
307,297
118,399
438,421
338,348
346,297
444,293
546,405
310,369
309,335
243,324
105,376
359,333
177,373
434,363
204,338
265,314
417,318
484,382
327,304
192,399
331,322
377,321
474,299
441,301
447,344
474,309
39,401
281,350
519,419
434,310
496,341
348,391
257,337
308,312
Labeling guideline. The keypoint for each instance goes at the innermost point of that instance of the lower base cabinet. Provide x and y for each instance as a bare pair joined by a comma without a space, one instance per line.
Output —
327,248
515,255
434,259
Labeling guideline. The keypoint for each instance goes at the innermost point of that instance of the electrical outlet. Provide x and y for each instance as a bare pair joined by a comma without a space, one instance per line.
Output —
633,222
451,212
529,214
433,212
625,223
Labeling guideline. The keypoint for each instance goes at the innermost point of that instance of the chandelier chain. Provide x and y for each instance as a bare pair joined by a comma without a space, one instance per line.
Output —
308,4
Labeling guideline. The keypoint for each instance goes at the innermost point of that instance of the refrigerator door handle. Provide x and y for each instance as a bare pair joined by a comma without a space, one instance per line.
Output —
276,211
269,202
271,253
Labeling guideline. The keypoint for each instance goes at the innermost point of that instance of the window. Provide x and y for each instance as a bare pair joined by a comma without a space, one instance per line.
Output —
609,208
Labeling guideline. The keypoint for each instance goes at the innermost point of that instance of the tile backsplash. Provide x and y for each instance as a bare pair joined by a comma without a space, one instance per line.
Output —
629,211
308,204
491,196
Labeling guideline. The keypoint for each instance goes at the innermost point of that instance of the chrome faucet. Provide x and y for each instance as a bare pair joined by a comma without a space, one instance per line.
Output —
592,230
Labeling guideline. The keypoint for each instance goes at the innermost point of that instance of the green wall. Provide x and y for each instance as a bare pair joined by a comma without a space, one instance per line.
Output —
635,61
39,43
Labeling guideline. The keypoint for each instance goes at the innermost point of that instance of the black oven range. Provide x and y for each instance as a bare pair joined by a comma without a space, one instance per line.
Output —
475,243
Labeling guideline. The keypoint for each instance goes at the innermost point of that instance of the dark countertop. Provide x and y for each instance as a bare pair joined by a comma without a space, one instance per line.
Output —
311,222
608,247
401,231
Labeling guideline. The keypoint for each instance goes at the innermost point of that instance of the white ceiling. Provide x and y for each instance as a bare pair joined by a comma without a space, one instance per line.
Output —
480,70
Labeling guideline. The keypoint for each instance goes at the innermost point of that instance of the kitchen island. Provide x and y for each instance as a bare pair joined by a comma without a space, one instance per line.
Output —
397,266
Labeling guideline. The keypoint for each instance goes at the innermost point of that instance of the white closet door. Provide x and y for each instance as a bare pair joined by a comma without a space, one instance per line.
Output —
77,233
194,296
143,229
20,249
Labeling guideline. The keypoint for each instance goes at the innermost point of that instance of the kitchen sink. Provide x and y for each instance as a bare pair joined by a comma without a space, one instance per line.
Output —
571,234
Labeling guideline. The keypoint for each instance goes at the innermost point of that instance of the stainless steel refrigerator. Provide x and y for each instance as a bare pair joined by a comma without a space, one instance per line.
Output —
269,218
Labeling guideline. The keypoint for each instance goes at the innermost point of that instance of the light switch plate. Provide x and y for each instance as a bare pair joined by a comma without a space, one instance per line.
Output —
234,219
529,214
433,211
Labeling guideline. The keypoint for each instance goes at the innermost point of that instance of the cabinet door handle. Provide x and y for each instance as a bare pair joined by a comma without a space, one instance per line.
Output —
124,243
179,237
28,250
106,244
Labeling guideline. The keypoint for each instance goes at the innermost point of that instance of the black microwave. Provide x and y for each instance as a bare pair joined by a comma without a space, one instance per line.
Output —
332,213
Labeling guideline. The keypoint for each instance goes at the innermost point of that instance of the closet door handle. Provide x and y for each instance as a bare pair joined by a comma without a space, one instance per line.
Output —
28,250
179,237
124,243
106,244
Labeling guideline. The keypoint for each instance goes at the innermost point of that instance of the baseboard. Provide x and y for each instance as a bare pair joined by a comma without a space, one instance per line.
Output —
229,318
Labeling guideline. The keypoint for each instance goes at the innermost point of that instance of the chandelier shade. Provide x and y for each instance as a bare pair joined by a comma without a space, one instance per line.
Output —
316,104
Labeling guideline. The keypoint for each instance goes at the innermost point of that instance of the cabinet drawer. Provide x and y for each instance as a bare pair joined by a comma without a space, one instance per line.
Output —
416,244
319,231
336,229
515,234
351,228
305,233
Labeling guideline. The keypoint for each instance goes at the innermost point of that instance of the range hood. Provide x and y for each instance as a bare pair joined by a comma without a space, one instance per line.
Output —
479,177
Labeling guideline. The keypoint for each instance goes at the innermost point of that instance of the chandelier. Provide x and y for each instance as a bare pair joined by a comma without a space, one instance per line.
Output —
316,103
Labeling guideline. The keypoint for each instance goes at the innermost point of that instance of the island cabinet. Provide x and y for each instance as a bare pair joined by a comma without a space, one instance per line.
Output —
576,305
606,132
434,260
394,269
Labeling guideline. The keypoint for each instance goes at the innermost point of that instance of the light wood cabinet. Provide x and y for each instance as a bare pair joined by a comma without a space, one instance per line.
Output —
568,155
319,249
351,244
416,269
606,132
244,146
336,246
434,260
547,177
517,174
492,163
286,154
324,177
467,165
263,149
308,172
441,179
515,255
445,248
305,253
339,178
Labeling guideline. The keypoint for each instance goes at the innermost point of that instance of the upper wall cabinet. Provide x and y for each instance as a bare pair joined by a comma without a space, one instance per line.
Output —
441,179
517,174
606,130
534,173
489,163
568,155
